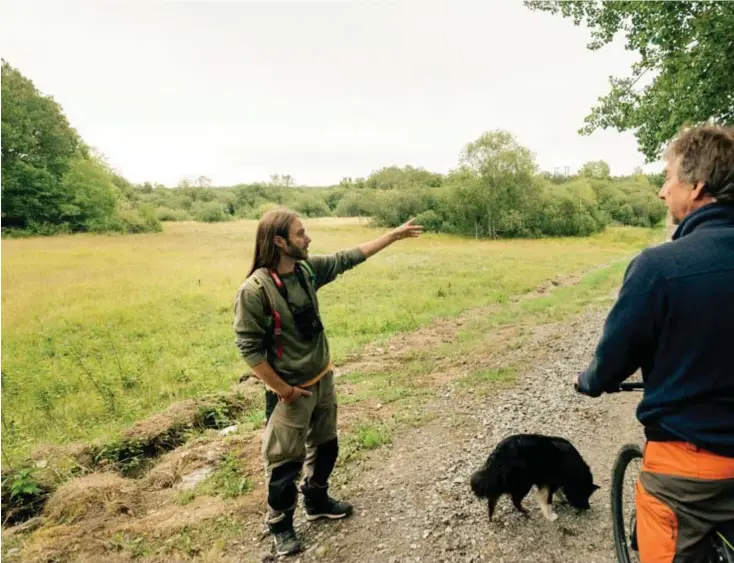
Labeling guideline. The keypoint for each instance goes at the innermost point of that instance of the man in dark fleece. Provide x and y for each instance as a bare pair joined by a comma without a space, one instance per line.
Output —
674,320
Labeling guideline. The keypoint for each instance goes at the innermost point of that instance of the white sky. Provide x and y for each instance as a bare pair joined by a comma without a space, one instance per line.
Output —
241,90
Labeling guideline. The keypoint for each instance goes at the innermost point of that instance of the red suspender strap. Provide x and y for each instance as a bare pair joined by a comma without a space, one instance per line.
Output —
276,279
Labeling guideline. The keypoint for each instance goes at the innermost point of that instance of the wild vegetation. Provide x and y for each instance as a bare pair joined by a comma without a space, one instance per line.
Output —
52,182
496,191
685,71
131,325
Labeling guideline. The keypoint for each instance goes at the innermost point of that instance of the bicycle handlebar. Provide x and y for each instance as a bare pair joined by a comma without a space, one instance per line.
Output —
636,386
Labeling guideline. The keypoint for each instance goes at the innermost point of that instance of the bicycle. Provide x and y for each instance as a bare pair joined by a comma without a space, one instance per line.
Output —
721,548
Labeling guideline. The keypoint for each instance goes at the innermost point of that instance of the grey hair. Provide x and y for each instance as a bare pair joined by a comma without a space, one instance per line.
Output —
706,154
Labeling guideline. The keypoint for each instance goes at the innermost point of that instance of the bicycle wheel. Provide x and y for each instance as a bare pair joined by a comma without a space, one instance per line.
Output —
624,478
722,546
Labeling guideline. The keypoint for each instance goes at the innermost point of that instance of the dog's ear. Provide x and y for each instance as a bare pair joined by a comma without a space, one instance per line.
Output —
594,488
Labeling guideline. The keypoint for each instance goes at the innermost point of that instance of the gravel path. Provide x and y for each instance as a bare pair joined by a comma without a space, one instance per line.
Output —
412,499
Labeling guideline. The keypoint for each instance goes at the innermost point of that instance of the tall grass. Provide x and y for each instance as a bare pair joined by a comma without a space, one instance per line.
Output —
100,331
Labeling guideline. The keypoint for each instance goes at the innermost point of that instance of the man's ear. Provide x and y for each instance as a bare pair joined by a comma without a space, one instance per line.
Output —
699,191
280,242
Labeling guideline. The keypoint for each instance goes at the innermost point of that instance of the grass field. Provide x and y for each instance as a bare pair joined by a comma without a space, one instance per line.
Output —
98,331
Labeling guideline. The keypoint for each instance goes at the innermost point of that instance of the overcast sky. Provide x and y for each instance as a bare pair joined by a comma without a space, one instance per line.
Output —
241,90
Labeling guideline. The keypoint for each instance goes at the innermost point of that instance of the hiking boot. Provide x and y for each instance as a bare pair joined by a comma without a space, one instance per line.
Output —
319,504
284,536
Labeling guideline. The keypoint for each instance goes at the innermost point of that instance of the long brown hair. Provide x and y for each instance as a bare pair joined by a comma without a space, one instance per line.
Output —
276,222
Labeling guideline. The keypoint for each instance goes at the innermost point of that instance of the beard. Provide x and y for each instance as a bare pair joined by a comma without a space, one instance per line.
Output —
296,253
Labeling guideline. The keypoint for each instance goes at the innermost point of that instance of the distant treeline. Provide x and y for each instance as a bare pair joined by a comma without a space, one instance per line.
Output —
52,182
499,202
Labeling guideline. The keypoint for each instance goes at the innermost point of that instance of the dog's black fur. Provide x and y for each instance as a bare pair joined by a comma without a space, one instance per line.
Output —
523,460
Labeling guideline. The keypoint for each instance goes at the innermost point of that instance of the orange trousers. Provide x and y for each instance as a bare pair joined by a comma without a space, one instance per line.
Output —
683,494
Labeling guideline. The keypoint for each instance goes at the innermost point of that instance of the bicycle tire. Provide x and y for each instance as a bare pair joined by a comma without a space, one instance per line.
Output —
627,454
721,550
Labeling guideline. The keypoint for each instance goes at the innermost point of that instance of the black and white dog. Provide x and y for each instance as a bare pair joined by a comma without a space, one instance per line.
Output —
523,460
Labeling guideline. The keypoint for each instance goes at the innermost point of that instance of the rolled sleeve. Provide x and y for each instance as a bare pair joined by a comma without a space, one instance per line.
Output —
327,268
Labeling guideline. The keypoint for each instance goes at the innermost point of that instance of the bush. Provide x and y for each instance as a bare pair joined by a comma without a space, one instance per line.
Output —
93,196
262,209
311,205
356,204
168,214
431,220
569,211
128,218
37,229
631,202
394,207
209,211
333,196
244,212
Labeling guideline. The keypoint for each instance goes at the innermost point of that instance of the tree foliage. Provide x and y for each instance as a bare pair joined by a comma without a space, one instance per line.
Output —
51,181
685,48
499,172
37,146
495,191
595,169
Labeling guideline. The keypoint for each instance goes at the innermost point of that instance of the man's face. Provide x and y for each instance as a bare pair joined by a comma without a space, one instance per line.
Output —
296,246
681,198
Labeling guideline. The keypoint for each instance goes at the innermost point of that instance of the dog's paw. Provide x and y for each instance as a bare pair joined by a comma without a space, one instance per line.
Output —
553,517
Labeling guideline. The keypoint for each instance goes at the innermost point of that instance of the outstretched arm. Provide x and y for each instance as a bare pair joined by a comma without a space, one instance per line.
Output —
406,230
327,268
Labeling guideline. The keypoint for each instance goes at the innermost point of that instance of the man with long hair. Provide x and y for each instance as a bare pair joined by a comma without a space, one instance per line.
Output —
674,320
279,334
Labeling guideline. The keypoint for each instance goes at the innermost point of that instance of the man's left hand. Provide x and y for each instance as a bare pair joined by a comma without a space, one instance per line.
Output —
407,230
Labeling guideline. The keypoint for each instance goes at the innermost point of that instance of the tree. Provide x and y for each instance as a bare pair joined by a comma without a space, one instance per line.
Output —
597,169
209,211
356,204
466,204
685,47
394,177
37,147
51,180
93,196
311,204
504,170
282,180
203,182
394,207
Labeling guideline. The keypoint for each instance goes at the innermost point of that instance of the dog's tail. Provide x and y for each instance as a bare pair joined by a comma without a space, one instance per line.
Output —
486,482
